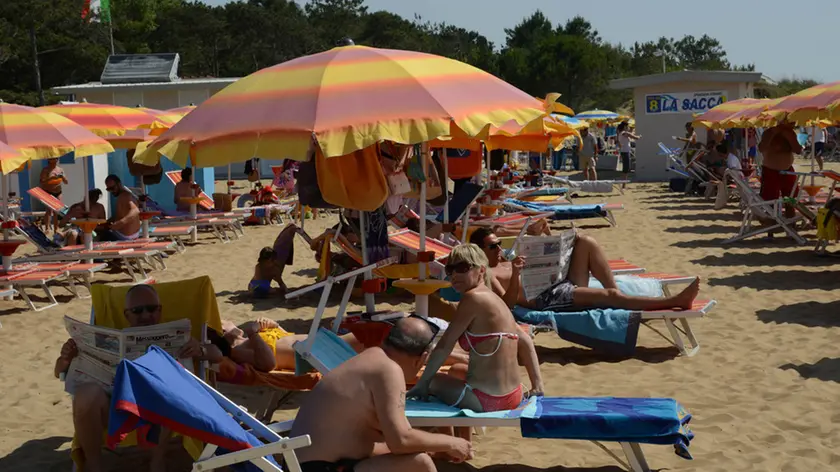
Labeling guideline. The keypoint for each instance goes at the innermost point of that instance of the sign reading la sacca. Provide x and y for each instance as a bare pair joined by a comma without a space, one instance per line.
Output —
684,102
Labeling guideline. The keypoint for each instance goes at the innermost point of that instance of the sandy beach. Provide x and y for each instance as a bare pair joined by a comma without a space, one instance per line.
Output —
763,389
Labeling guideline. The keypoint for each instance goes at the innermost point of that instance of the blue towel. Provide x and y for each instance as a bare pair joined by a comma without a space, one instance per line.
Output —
155,391
613,331
328,348
639,420
564,212
437,409
549,192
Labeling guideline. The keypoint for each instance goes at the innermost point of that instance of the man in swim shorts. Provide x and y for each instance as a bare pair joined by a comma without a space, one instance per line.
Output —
124,225
355,416
778,146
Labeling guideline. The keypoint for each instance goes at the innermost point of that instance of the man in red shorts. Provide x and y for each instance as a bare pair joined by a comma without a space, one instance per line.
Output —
778,146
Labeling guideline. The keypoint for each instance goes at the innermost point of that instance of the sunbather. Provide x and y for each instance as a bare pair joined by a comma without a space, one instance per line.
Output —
52,176
355,416
571,291
183,189
484,326
268,269
72,234
124,225
91,402
264,344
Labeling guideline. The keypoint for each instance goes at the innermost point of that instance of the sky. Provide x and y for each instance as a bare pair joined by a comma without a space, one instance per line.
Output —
780,38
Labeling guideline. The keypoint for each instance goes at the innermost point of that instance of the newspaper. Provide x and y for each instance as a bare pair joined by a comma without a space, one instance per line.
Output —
102,349
546,261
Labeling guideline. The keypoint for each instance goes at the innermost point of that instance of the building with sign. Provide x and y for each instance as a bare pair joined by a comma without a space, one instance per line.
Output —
665,102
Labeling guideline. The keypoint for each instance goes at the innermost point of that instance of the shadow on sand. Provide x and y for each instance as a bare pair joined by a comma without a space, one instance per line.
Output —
38,454
584,356
810,314
755,243
781,280
802,257
449,467
826,369
703,229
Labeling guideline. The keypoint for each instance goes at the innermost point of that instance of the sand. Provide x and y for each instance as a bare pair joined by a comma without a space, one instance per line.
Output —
763,389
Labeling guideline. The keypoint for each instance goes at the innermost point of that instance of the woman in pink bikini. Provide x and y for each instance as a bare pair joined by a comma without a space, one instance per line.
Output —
484,326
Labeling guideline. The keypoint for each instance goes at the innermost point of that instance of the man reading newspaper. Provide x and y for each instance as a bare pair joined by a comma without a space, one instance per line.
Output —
552,274
91,391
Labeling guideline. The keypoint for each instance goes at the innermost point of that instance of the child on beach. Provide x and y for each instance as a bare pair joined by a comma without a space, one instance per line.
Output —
266,270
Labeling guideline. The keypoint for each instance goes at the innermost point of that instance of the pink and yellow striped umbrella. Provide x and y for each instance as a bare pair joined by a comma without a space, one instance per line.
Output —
535,136
820,102
742,113
40,134
104,120
181,111
11,155
344,99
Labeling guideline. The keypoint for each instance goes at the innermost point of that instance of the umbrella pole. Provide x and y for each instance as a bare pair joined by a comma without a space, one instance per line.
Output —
87,231
228,180
5,210
445,182
813,152
422,301
370,304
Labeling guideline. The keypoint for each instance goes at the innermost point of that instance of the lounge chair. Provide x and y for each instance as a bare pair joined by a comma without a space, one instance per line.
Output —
218,223
179,400
591,186
22,278
756,208
325,351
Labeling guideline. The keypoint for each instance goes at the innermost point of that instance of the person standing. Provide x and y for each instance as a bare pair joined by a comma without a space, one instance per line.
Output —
588,154
51,180
625,138
818,139
778,146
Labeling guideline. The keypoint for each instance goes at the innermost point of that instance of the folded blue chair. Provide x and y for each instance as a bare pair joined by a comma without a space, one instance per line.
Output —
155,391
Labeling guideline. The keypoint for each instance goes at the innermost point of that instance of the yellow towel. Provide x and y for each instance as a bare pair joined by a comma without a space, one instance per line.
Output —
194,299
354,181
828,231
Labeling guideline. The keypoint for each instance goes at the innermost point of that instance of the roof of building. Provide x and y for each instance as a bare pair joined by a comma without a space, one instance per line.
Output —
175,84
689,76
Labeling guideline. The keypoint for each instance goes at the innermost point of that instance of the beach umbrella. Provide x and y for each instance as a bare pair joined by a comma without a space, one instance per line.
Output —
36,133
719,116
815,103
571,121
183,111
343,100
553,106
163,120
597,115
104,120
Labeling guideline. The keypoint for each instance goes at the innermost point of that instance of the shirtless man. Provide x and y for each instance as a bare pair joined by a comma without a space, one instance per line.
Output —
125,224
91,402
778,146
572,292
183,189
77,210
355,416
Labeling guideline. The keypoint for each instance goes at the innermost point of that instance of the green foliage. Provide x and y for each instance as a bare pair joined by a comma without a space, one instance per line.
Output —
244,36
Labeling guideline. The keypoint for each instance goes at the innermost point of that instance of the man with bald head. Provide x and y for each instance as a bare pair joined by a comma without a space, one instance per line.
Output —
355,416
91,401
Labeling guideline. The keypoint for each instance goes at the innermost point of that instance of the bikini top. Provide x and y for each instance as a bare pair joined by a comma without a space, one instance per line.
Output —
468,340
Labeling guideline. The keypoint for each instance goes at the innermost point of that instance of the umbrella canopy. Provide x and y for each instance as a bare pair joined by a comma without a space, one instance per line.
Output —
11,155
819,102
535,136
39,134
182,111
104,120
719,116
554,106
597,115
163,120
345,99
571,121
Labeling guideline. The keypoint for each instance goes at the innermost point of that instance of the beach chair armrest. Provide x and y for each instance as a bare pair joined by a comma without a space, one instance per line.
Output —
280,446
282,426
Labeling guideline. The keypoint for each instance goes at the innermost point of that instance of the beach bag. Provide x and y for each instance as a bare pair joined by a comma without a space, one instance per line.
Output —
252,170
354,181
417,176
398,183
308,191
151,175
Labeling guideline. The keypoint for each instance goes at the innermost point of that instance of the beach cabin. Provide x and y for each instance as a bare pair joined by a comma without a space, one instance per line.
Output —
664,103
148,80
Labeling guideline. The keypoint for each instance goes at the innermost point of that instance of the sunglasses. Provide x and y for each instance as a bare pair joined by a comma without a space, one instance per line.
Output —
138,310
460,268
435,329
494,246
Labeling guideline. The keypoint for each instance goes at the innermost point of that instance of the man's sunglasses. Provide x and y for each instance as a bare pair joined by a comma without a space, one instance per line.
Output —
494,246
460,268
138,310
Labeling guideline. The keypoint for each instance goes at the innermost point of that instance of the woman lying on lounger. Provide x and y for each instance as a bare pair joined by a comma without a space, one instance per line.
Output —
484,326
266,346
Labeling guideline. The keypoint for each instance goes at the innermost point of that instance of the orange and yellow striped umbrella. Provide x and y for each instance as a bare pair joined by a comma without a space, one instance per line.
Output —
12,155
719,114
345,99
181,111
163,120
820,102
104,120
535,136
40,134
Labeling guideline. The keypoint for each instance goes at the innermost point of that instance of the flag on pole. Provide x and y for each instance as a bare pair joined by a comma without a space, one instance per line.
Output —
100,8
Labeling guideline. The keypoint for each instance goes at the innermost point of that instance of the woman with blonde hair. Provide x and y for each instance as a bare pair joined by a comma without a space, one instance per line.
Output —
484,326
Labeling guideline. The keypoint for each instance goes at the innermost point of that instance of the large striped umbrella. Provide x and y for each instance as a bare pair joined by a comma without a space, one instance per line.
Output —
717,117
39,134
182,111
556,107
571,121
104,120
597,115
11,155
344,99
819,102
